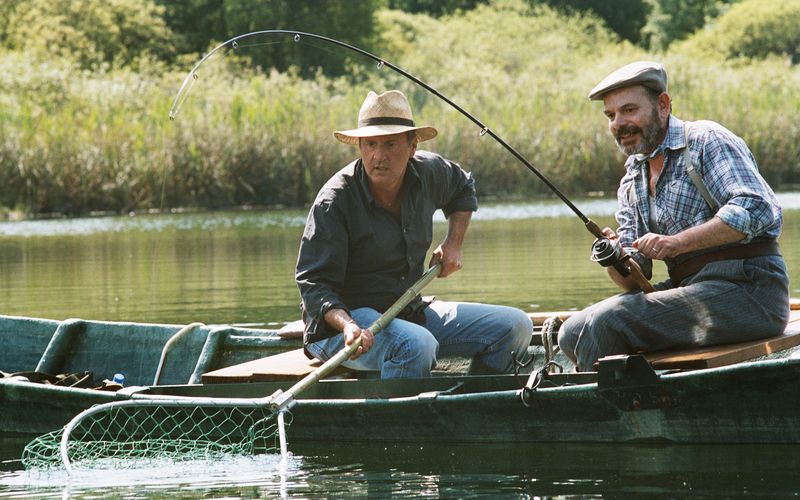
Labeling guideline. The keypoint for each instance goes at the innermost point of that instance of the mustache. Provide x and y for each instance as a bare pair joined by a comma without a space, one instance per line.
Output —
627,129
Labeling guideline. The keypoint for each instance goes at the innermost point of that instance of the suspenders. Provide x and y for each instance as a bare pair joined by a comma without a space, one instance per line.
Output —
694,175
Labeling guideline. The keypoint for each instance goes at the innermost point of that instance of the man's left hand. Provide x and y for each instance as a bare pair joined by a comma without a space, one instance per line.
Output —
658,246
450,259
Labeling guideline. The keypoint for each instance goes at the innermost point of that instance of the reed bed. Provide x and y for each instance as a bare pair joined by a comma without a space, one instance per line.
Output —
76,142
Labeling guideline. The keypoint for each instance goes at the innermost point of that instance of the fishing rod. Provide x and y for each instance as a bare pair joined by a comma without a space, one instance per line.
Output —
606,251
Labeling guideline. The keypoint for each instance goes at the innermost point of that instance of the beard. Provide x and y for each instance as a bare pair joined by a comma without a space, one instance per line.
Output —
651,135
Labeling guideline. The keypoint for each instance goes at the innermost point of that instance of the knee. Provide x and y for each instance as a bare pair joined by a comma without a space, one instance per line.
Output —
521,325
568,338
422,344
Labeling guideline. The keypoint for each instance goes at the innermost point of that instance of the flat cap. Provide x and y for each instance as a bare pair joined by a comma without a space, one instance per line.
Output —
650,74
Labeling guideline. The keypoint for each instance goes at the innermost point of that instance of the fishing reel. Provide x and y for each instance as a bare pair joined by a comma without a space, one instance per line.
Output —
608,253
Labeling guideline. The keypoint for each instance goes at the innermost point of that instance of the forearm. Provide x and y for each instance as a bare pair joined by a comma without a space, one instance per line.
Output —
338,319
449,252
711,233
458,222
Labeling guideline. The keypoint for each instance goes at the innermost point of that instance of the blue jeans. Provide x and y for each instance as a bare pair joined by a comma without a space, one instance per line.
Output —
489,333
727,301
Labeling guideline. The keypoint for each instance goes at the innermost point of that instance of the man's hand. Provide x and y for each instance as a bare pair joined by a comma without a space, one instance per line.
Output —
449,257
449,252
340,320
658,246
351,332
714,232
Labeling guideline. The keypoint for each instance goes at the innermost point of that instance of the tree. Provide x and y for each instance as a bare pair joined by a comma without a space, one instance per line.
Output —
434,8
753,29
91,32
203,23
625,17
672,20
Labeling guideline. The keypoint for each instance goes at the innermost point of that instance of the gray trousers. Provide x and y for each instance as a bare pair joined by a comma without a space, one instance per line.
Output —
727,301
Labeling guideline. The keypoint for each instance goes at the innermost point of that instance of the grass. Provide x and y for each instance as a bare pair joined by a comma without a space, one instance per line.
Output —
74,142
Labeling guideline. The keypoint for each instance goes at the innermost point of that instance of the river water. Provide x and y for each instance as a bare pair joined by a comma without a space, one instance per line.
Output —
237,268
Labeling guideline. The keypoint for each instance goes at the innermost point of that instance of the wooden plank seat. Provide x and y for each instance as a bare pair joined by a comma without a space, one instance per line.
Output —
721,355
289,365
294,365
726,354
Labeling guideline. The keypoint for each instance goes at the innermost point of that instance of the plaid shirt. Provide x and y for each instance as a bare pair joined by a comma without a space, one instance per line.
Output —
728,170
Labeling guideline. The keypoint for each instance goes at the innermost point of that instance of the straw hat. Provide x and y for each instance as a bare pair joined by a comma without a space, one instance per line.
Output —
385,114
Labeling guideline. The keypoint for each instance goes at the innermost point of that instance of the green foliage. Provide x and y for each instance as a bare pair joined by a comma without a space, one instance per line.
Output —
434,8
524,72
672,20
91,32
75,141
753,29
624,17
208,22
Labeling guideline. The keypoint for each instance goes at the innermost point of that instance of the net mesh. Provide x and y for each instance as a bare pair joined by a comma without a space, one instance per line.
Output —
131,435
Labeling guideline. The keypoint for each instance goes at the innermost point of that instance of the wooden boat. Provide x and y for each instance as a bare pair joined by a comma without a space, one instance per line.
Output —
740,393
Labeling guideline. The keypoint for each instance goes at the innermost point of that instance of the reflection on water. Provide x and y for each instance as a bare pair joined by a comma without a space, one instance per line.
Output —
238,267
447,471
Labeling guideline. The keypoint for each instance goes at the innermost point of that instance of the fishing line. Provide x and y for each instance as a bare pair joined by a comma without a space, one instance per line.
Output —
605,251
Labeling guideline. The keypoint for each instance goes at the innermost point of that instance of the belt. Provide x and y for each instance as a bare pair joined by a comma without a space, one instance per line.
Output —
753,249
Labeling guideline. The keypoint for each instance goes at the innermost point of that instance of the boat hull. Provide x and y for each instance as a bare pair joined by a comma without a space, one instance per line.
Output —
99,349
752,402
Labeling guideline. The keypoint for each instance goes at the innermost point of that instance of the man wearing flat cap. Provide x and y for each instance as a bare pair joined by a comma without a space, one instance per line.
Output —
365,242
691,196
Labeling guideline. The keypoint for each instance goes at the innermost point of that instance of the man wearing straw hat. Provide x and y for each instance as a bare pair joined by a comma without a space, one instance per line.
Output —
365,243
692,196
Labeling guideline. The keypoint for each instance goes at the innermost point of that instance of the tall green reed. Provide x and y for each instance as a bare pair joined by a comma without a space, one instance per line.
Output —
76,142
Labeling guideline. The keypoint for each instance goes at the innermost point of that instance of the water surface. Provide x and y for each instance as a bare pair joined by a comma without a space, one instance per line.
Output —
237,267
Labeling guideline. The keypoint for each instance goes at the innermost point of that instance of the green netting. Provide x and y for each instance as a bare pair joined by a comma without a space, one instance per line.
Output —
128,435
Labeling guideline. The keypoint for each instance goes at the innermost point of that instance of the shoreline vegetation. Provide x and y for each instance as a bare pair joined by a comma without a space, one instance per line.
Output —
77,141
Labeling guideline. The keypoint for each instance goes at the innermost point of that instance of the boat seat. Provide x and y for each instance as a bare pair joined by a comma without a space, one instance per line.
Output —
726,354
289,365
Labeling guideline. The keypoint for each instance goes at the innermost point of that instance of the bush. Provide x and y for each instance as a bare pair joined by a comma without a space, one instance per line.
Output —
753,29
75,141
90,32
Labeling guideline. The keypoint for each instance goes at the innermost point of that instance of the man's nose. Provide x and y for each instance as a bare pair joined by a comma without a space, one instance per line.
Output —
381,151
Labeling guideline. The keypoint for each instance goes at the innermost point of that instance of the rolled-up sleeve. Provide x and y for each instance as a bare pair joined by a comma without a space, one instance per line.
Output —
458,189
750,206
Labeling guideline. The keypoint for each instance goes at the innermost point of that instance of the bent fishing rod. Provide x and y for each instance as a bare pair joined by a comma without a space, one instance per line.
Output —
605,251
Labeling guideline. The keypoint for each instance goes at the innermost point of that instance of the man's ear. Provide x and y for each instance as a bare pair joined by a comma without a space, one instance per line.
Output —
664,105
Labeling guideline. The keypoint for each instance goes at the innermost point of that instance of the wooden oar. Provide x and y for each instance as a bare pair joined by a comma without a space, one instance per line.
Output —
284,400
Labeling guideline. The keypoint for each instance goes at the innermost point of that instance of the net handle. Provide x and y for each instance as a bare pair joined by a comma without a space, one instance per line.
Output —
278,402
283,399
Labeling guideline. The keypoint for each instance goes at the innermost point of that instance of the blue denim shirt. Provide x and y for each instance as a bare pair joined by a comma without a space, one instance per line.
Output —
728,170
353,253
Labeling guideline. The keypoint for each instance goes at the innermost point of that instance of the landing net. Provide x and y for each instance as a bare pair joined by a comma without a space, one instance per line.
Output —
139,433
